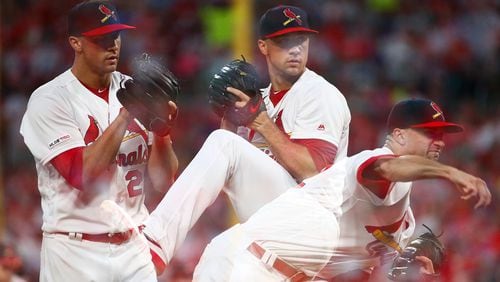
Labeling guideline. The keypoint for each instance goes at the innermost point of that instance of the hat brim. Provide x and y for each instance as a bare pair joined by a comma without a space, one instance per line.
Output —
107,29
289,30
446,126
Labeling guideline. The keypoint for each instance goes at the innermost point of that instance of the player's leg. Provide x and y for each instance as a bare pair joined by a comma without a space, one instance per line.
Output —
64,259
297,228
227,259
248,268
255,179
225,159
134,261
216,262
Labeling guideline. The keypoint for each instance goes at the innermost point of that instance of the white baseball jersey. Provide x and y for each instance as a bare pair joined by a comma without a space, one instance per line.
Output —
63,114
300,226
372,226
311,109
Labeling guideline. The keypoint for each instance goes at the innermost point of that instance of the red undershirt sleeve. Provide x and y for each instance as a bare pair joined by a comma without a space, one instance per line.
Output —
322,152
365,176
70,165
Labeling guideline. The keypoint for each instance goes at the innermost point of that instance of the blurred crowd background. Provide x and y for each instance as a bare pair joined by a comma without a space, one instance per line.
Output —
375,51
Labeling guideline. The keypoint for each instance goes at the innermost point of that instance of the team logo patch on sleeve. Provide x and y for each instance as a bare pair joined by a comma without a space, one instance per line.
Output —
58,141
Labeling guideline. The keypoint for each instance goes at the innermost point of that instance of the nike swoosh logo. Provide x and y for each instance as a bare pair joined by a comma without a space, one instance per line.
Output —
100,90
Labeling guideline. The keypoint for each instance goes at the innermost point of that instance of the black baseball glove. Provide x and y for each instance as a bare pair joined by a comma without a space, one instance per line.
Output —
147,95
243,76
406,268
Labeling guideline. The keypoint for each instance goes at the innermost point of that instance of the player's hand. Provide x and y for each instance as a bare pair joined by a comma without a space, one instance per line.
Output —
426,265
148,95
172,111
253,108
243,98
470,186
243,102
125,115
259,120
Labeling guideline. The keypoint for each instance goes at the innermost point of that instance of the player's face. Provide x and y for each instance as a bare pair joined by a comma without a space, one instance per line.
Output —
427,142
102,52
287,54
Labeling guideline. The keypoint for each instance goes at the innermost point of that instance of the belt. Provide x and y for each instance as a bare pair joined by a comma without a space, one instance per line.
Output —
277,263
111,238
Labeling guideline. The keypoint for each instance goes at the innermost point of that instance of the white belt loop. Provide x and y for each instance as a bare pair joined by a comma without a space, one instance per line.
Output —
268,258
75,236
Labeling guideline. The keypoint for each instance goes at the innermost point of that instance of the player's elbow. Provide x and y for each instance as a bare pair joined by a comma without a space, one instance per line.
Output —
384,169
303,172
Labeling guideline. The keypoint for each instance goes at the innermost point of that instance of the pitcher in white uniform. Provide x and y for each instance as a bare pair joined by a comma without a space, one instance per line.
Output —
343,222
88,149
305,129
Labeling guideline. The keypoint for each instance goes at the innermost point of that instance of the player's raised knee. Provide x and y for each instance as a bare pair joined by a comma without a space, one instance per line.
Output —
220,134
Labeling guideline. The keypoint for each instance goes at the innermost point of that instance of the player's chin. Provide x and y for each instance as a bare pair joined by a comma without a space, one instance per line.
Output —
294,70
110,67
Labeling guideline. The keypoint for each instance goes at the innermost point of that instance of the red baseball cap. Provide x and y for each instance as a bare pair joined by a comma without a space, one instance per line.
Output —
92,18
282,20
419,113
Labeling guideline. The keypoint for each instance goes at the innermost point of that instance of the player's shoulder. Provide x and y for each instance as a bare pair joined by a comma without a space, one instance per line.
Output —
321,87
373,152
363,156
313,79
52,87
52,92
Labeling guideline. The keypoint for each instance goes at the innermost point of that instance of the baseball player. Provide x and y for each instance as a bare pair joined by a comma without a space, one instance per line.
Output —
88,149
354,214
304,129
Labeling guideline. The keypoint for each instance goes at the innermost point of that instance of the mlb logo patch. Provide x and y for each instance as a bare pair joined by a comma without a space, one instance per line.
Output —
58,141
